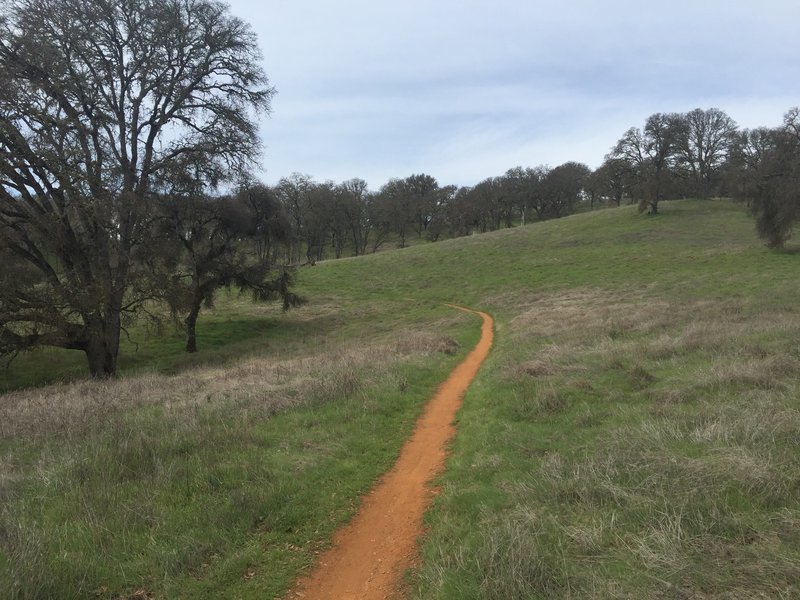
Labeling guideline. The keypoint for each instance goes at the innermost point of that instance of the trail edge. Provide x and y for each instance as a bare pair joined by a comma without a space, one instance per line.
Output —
370,555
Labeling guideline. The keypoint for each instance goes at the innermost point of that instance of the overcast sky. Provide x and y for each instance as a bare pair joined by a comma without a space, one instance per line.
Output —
466,89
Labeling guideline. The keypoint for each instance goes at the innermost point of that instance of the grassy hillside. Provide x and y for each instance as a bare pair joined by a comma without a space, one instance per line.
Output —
633,434
636,431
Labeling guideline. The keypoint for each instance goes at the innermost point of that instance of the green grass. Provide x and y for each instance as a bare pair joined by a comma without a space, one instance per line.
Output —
634,432
234,328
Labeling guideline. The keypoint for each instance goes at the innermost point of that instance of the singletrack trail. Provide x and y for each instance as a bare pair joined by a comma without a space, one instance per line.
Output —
370,555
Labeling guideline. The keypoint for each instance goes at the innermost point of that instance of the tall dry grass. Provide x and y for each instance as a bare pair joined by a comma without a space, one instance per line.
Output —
109,487
649,449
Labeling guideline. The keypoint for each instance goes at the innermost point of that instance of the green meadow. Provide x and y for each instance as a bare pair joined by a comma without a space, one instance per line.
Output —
633,434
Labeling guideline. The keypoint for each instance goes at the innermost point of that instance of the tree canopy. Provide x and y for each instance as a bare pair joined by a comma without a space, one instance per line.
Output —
774,161
106,104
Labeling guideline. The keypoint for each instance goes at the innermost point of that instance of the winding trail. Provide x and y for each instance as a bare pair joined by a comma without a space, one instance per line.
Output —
370,555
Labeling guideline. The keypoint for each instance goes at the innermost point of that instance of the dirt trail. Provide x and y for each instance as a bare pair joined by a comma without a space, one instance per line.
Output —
370,555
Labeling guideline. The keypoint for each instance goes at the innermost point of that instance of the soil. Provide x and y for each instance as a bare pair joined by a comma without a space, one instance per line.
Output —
370,555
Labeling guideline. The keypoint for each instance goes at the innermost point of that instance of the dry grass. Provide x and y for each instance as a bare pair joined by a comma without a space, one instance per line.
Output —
587,312
655,454
262,385
169,473
428,343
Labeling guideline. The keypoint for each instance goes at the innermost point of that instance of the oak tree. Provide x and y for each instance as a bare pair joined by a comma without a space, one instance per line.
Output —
704,140
213,249
776,200
650,155
100,100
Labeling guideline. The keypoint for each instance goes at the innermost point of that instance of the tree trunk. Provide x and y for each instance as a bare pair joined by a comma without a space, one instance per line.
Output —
102,344
191,328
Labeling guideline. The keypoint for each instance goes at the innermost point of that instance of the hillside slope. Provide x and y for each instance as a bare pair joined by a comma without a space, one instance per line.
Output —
633,434
636,431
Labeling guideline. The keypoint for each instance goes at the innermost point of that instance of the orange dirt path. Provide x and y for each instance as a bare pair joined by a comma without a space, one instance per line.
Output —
370,555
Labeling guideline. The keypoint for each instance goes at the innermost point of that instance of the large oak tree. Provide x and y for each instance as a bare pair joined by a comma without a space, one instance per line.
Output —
101,102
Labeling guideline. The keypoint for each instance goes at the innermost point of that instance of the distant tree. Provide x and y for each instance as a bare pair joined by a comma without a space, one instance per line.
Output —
506,201
702,145
563,186
100,103
613,179
215,250
292,192
338,225
397,209
272,229
550,193
319,216
776,201
490,203
459,212
742,171
527,184
515,183
595,188
353,207
380,214
440,221
649,154
422,193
